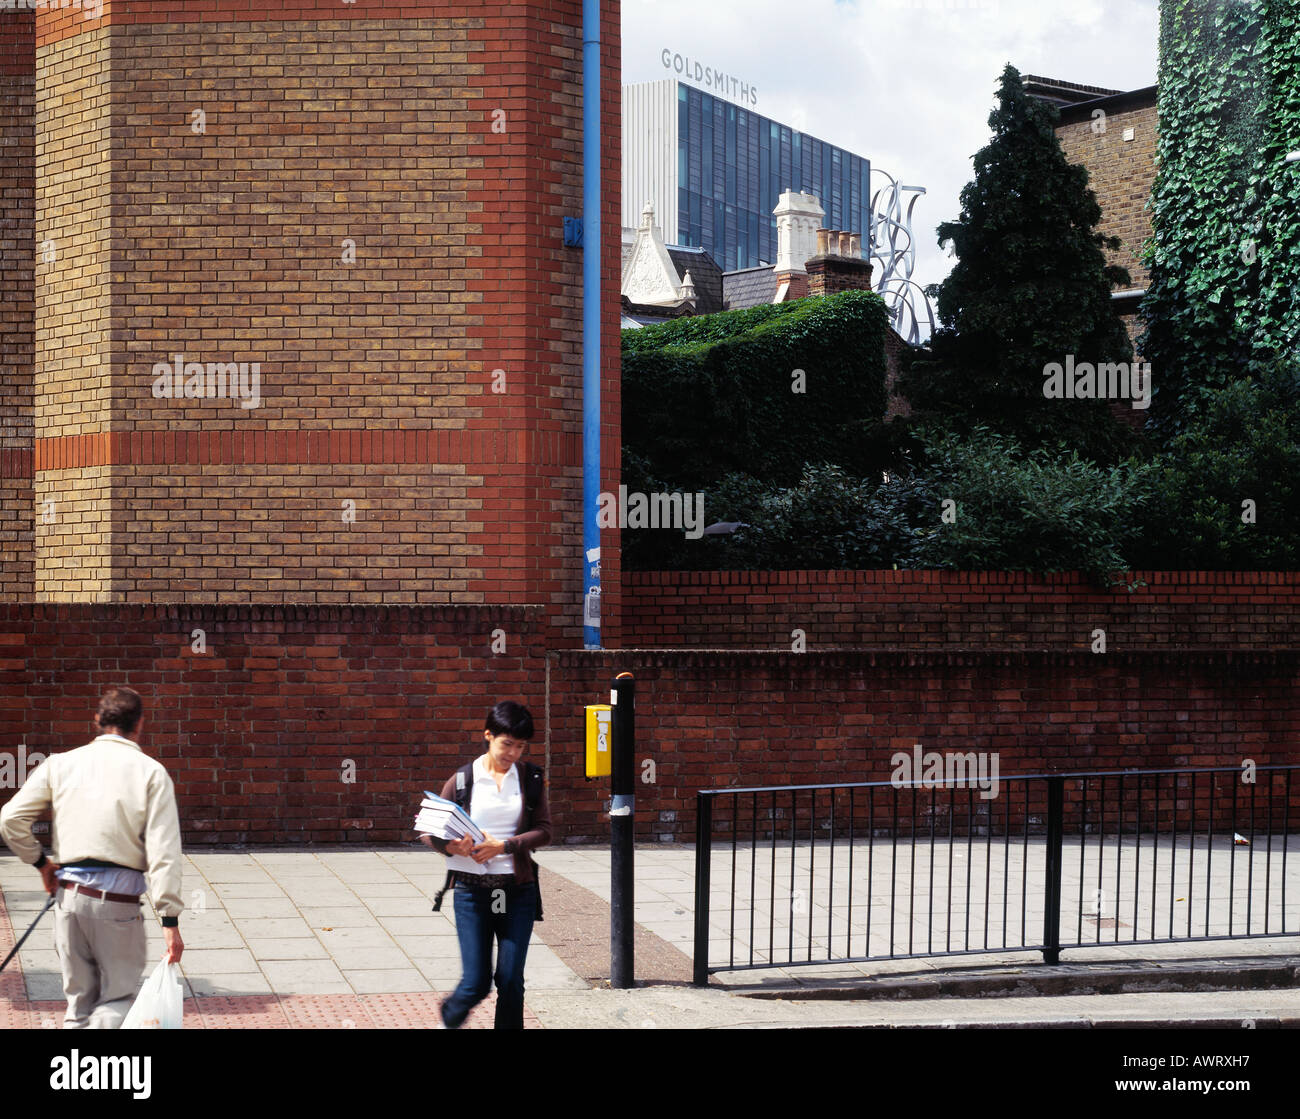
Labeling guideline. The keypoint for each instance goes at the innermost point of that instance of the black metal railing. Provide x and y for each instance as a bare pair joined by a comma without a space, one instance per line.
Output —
809,874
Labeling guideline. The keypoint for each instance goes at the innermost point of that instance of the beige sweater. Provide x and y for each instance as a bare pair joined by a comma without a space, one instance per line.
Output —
111,802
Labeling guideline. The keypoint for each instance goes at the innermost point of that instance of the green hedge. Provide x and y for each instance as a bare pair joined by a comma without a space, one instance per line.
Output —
703,328
713,395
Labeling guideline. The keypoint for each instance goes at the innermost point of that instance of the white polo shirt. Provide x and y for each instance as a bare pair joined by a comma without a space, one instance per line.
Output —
497,812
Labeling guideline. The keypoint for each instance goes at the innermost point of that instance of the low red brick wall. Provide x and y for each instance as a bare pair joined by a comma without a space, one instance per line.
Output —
322,724
709,720
295,724
958,610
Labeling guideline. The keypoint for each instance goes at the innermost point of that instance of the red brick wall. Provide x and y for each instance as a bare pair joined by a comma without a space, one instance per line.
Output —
959,610
710,720
17,265
257,728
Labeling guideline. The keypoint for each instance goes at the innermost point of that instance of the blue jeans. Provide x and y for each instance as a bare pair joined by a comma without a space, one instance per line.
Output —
508,915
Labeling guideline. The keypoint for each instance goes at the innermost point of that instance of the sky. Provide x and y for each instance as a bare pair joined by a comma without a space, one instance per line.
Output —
907,84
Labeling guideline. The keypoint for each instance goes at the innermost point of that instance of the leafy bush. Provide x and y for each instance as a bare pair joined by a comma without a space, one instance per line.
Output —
829,520
1244,445
1049,510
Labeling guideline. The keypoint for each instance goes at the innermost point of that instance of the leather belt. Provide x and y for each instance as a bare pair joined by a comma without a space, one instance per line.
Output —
484,881
90,891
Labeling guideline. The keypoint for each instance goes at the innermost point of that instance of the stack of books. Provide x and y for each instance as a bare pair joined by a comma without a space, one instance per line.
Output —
444,819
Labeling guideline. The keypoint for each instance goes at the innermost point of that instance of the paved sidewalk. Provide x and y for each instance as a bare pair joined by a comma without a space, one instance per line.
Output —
344,938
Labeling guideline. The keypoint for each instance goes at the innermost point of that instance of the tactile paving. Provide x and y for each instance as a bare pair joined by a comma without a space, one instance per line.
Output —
325,1012
236,1012
417,1011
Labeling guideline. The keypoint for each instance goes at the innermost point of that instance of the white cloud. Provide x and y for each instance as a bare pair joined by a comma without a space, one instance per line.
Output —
908,84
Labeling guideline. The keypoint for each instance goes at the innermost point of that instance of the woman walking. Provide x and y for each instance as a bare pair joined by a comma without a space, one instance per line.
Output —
496,880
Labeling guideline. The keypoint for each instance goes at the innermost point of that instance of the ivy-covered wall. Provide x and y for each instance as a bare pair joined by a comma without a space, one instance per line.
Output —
1225,256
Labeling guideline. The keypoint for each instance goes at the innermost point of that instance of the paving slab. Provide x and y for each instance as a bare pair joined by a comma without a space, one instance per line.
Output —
394,980
217,961
287,948
239,908
237,868
43,986
375,958
305,977
401,888
341,939
427,924
227,891
417,906
251,983
273,927
337,916
321,897
445,972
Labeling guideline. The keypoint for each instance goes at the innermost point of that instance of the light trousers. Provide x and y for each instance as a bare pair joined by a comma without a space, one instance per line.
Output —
102,952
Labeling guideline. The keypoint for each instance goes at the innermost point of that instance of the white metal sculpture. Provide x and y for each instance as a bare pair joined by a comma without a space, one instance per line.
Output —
894,247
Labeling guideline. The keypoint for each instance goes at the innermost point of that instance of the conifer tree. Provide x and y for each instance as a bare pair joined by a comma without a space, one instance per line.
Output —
1031,286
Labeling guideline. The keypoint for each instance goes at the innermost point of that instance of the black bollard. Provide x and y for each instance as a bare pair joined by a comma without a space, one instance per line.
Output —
621,816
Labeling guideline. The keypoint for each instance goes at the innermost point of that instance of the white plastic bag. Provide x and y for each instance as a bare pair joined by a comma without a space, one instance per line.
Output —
159,1004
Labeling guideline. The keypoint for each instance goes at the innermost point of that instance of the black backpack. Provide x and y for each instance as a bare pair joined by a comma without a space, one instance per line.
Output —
533,782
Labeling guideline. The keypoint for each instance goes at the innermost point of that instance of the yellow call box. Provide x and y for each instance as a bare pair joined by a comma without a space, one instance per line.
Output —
600,749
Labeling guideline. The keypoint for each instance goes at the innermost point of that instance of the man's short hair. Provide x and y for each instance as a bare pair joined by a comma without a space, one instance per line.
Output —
120,708
509,718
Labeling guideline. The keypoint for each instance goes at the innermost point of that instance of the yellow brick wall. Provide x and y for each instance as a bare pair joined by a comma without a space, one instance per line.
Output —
73,390
1121,174
204,180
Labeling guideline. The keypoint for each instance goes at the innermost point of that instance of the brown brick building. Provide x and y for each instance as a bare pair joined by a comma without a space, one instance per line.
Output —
340,227
1113,134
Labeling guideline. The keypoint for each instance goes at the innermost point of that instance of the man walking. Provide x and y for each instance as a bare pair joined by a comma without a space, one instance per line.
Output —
114,822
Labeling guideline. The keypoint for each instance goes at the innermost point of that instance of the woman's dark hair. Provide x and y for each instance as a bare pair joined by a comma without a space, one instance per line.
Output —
119,708
509,718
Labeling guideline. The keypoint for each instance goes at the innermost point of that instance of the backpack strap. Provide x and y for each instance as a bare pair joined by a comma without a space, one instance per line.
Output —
465,785
464,792
533,784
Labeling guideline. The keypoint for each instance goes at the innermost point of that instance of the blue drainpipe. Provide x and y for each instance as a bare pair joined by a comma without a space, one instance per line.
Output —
591,243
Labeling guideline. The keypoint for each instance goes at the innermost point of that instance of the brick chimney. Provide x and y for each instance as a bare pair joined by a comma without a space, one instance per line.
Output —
838,265
798,216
